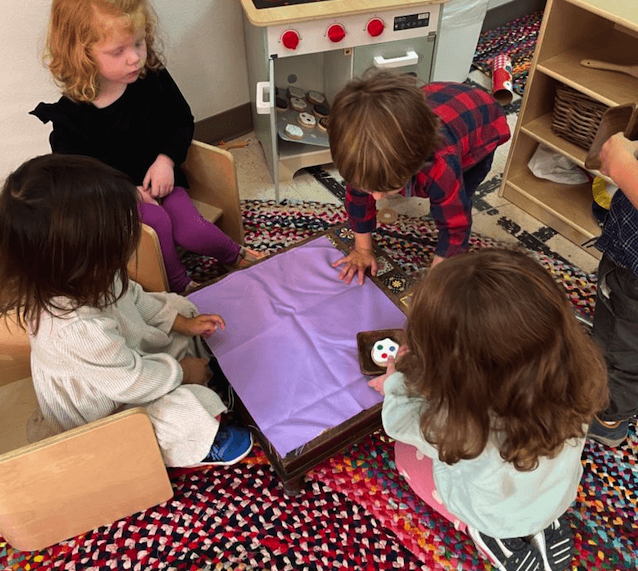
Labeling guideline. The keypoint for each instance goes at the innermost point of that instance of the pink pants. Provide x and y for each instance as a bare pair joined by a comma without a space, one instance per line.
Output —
416,468
177,222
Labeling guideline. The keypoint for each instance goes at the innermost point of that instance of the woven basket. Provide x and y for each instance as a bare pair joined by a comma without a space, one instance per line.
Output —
576,116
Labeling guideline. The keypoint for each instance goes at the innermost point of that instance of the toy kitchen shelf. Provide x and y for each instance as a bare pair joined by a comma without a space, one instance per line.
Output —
572,30
320,46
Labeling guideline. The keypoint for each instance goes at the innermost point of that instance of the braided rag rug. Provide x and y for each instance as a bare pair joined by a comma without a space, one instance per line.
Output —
517,39
355,511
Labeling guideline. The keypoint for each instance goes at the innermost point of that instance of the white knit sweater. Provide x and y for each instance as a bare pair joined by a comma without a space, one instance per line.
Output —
90,363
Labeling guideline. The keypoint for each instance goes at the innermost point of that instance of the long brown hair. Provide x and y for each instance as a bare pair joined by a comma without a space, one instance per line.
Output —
75,26
68,226
382,131
496,353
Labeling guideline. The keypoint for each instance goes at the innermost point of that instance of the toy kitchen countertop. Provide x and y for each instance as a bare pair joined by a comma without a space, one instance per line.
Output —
312,9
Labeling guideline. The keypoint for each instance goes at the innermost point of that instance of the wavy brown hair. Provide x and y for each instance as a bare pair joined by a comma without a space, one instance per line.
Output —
497,354
381,131
68,226
75,26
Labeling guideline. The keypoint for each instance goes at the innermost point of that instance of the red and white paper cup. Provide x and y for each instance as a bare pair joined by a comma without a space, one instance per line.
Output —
502,89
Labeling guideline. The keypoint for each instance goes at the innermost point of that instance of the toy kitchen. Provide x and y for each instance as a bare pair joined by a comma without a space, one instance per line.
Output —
300,53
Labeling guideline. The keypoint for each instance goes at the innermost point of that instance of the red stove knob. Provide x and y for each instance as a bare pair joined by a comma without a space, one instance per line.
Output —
375,27
336,33
290,39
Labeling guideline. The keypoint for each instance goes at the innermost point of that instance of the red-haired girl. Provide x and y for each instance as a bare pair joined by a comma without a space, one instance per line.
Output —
121,106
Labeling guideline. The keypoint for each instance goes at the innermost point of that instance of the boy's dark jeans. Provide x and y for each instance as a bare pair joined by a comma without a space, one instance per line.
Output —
476,175
616,331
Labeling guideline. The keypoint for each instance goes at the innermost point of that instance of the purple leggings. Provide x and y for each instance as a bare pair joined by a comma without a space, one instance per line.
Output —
177,222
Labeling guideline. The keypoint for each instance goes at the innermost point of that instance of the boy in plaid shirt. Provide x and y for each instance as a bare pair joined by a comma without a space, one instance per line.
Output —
389,136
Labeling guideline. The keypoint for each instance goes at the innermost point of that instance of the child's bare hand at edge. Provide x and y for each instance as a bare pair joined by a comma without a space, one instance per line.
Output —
205,324
160,177
436,260
616,154
195,371
378,382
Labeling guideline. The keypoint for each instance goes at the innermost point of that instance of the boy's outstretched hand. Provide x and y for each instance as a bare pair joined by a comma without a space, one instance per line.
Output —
205,324
359,260
618,156
356,263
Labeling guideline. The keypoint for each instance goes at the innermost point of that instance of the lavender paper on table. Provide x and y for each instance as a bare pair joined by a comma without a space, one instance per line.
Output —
289,349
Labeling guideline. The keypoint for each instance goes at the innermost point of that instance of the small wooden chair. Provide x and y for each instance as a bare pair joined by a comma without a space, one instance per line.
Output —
214,191
76,481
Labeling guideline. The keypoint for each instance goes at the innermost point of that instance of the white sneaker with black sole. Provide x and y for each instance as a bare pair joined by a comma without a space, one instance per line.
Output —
556,545
512,554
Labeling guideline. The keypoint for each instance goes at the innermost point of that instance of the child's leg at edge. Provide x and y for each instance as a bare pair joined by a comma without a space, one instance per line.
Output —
158,219
416,468
616,331
196,234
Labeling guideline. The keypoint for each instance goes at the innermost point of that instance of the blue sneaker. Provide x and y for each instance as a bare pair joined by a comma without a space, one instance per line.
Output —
611,435
232,444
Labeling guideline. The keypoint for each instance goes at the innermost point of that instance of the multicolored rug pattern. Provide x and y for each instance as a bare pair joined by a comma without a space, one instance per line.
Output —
355,511
517,39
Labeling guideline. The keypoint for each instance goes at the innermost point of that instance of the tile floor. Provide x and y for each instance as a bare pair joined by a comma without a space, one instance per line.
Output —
494,216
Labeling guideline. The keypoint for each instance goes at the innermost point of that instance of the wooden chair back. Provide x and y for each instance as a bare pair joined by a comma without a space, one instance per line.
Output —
75,481
81,479
214,191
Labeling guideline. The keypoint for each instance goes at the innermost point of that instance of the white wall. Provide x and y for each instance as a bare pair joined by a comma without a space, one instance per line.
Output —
205,52
23,81
204,49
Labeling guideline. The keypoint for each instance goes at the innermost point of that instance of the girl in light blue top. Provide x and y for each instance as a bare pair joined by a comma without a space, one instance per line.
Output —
489,403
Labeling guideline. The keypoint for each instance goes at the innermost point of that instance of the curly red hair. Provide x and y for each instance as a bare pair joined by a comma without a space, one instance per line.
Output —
75,26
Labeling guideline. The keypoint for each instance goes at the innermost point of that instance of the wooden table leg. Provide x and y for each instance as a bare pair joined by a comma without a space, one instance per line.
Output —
293,487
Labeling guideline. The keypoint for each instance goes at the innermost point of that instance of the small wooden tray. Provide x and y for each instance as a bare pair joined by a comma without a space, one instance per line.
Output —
365,342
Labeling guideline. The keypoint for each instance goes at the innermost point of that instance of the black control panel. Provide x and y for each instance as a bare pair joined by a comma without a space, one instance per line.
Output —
421,20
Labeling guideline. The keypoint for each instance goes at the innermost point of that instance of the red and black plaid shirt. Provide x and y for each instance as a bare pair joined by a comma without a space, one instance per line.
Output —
472,126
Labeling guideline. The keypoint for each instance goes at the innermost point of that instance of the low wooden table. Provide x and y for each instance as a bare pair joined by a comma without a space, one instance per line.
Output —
293,466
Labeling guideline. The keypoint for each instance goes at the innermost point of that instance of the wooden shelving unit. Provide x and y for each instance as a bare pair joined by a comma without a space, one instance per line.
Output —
572,30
